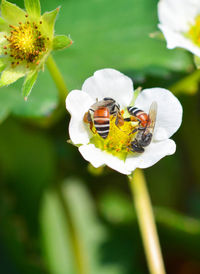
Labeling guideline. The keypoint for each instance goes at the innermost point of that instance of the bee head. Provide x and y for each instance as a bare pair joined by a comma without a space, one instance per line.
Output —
109,99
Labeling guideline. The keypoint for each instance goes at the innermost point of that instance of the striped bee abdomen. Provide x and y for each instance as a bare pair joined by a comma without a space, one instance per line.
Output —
139,114
102,121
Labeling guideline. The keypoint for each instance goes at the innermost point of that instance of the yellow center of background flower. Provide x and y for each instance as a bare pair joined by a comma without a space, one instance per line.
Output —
25,43
194,32
118,139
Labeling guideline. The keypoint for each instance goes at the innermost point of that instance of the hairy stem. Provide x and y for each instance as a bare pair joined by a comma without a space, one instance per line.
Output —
146,222
59,112
58,78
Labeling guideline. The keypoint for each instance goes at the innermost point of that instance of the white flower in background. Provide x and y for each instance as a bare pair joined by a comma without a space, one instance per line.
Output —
113,151
180,23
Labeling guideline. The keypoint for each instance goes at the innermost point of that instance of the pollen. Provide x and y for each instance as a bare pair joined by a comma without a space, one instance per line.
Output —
194,31
118,139
26,43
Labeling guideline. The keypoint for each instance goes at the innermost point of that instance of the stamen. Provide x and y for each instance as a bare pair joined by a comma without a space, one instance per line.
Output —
26,42
118,139
194,32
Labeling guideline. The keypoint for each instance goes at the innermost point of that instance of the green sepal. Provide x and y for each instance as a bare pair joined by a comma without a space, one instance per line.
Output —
10,75
135,95
197,61
3,42
12,13
49,19
3,64
71,143
29,83
33,8
3,25
61,42
157,35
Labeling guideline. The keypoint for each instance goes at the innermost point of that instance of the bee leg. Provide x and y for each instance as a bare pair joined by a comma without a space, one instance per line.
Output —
91,127
88,119
136,129
119,120
131,119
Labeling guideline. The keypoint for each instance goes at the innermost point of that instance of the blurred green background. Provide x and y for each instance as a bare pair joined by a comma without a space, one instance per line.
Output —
52,204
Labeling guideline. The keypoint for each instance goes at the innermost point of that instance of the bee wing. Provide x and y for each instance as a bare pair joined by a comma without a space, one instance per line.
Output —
103,103
152,115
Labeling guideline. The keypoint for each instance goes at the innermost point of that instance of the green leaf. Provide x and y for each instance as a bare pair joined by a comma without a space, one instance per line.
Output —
44,97
49,19
176,221
55,235
70,226
12,13
33,7
116,207
28,157
197,61
10,75
188,85
28,84
103,35
4,112
61,41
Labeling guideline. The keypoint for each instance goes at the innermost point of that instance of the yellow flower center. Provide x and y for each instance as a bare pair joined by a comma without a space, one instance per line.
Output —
25,43
118,140
194,31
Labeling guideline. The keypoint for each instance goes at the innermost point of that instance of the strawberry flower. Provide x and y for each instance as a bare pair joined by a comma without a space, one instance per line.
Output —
114,150
180,24
26,40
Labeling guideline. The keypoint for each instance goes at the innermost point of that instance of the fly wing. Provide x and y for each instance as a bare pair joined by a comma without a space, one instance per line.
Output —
152,116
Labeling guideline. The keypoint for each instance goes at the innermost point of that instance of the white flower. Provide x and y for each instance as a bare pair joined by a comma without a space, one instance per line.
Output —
112,83
180,23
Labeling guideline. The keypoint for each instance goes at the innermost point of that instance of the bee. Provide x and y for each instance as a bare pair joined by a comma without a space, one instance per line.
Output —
145,129
99,116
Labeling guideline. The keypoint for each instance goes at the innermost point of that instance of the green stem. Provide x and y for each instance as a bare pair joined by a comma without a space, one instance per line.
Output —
146,223
79,256
58,78
62,91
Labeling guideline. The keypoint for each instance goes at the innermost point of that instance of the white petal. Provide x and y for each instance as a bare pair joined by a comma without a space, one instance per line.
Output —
177,39
153,153
160,134
92,155
169,115
98,158
110,83
178,15
78,132
77,103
